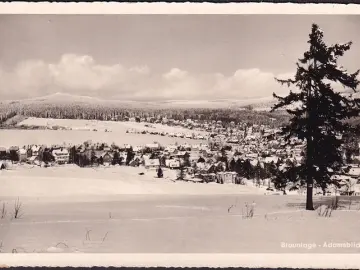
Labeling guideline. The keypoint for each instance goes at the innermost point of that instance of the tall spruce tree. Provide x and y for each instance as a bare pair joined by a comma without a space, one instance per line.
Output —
318,112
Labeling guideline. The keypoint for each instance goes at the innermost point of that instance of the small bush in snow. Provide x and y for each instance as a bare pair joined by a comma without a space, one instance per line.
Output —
17,209
87,235
335,203
3,211
325,210
106,234
249,210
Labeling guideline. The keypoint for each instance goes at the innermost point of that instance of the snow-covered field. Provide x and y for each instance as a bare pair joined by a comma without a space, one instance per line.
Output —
114,126
82,130
70,209
73,181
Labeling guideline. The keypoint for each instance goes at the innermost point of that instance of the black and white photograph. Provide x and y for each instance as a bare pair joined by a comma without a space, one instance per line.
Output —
179,133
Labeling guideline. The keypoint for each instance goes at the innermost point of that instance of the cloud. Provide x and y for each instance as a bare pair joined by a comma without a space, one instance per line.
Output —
82,75
175,74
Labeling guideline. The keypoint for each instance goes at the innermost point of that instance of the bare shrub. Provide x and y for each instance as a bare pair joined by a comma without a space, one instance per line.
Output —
18,213
335,203
325,210
3,210
231,206
249,210
87,235
103,239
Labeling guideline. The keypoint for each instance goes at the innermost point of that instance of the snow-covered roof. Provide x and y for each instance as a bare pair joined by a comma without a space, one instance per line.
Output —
35,148
60,151
152,162
152,145
254,162
137,148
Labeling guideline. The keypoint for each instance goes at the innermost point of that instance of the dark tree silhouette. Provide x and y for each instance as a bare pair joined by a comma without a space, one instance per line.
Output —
72,155
162,160
160,173
232,165
317,111
223,158
182,171
93,157
247,169
351,145
130,155
47,156
116,158
13,155
187,162
258,172
100,160
284,174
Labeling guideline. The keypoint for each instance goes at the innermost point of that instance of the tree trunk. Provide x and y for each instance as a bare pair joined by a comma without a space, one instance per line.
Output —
309,197
309,150
309,176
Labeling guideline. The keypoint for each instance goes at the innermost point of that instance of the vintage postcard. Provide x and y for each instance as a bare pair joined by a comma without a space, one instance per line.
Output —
179,135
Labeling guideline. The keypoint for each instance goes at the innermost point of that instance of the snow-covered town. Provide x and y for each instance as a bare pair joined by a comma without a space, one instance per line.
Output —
239,154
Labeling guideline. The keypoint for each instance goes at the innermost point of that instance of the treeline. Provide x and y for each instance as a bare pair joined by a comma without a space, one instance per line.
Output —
111,112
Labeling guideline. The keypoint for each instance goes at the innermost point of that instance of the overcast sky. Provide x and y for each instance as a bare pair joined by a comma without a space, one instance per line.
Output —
150,57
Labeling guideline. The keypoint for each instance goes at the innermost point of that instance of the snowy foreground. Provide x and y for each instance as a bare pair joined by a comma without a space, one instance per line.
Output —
71,209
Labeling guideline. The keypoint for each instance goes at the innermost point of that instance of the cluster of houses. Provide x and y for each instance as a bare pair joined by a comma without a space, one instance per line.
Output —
35,154
231,133
203,162
213,160
193,136
209,162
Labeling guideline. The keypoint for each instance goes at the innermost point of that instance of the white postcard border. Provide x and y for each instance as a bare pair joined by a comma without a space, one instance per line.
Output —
342,261
176,8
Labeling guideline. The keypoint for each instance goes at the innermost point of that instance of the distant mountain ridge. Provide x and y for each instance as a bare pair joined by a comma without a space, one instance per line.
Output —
65,98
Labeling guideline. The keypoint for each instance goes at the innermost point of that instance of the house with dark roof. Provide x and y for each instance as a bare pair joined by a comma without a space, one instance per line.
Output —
3,153
14,153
